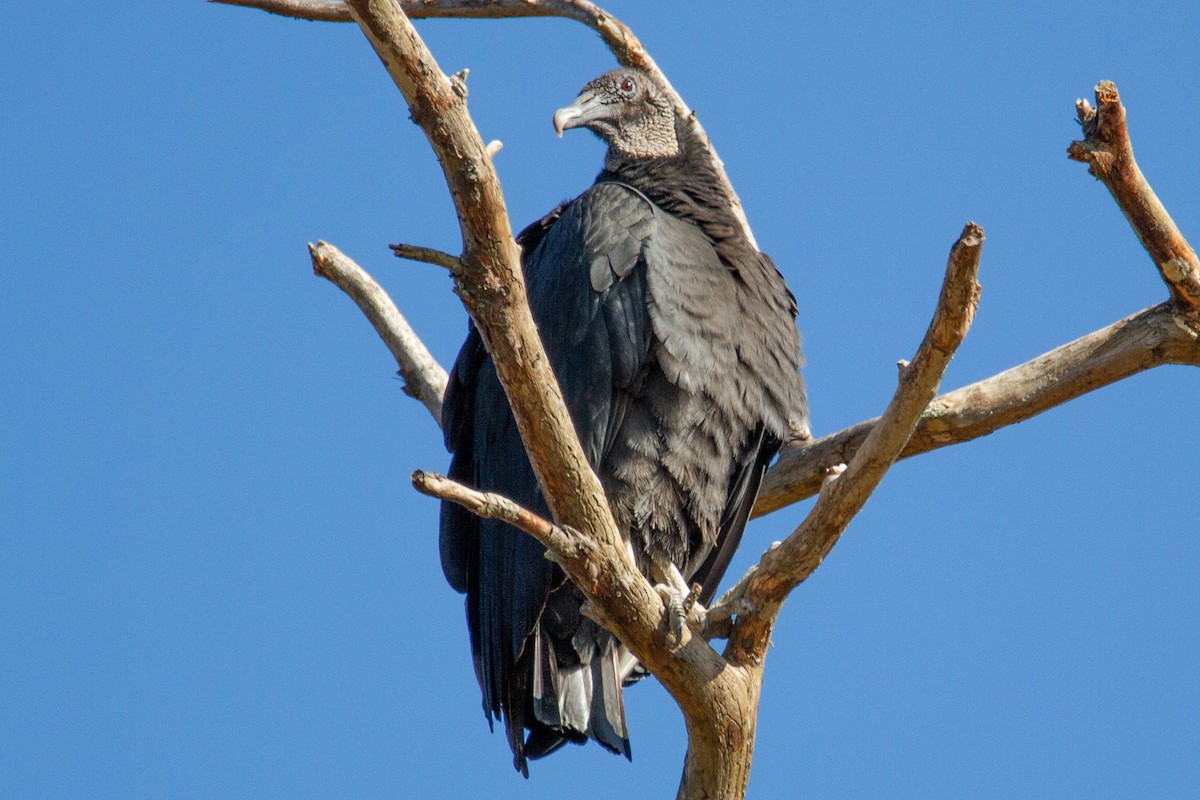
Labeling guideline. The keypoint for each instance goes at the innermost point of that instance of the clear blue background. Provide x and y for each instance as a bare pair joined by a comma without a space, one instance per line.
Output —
215,579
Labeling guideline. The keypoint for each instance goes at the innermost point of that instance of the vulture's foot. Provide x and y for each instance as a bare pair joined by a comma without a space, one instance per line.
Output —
680,610
680,599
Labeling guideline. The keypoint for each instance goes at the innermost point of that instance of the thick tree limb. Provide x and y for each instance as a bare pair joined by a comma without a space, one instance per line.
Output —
1166,334
784,566
424,378
711,696
490,281
720,751
1150,338
1107,150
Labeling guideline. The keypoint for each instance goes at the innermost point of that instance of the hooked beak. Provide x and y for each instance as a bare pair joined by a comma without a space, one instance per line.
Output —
586,108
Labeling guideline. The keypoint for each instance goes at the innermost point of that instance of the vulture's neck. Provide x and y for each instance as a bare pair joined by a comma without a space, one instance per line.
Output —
687,186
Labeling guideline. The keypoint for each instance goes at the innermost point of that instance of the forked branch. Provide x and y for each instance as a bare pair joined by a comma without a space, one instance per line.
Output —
1164,334
490,281
1107,151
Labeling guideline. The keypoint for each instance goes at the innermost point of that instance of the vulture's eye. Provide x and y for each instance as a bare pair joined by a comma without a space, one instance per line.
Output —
627,85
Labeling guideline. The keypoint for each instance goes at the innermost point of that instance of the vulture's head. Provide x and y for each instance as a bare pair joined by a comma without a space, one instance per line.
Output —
628,111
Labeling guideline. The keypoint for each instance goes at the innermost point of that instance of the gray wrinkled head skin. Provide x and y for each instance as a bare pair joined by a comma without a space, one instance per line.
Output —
628,111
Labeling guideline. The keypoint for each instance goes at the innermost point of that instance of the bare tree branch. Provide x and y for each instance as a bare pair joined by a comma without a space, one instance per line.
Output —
709,694
1109,154
496,506
424,378
1150,338
784,566
619,38
1167,334
315,10
427,255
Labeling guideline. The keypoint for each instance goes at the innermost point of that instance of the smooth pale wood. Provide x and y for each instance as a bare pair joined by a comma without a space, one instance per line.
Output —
490,281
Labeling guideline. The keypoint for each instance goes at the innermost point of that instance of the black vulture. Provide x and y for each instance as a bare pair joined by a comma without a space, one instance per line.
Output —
674,341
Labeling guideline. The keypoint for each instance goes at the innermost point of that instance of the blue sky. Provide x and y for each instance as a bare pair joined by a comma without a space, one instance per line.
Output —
215,579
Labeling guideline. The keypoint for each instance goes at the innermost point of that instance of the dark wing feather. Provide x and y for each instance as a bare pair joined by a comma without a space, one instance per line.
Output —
742,494
589,303
459,527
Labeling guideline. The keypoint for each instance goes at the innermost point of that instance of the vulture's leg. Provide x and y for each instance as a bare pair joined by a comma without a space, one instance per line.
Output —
677,597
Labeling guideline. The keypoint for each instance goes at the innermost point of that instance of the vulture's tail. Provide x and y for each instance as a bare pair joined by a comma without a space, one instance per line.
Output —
577,697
